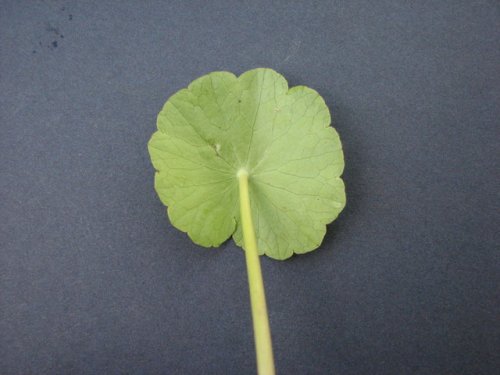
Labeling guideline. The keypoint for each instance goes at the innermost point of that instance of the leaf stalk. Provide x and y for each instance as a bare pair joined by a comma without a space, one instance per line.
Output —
262,332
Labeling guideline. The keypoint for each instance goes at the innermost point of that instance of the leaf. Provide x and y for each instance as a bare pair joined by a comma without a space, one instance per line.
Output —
282,137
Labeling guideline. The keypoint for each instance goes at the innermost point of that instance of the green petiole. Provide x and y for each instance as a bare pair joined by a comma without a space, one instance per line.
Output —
262,332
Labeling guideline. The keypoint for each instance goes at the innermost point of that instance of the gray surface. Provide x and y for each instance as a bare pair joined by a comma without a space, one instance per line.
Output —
95,280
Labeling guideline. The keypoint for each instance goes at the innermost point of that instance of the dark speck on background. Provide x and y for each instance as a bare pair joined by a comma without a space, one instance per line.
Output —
70,17
53,29
54,44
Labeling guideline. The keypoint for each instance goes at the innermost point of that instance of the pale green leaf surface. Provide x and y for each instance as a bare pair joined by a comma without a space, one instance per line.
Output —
283,138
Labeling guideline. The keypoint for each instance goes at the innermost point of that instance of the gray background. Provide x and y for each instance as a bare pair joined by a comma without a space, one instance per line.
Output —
95,280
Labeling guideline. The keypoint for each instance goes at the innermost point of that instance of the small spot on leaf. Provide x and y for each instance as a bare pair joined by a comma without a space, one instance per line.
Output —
217,148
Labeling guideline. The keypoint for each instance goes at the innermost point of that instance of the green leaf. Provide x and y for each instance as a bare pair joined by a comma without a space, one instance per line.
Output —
222,123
